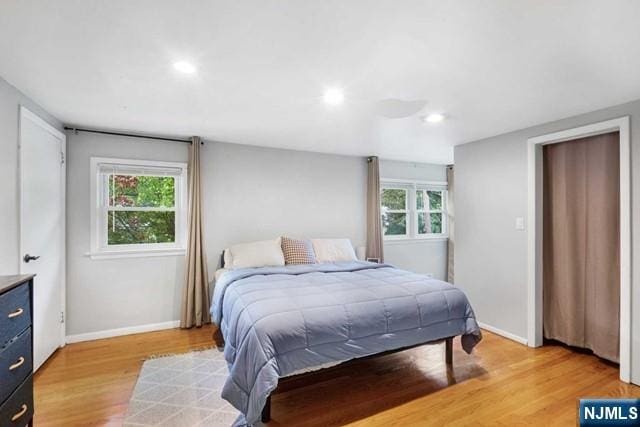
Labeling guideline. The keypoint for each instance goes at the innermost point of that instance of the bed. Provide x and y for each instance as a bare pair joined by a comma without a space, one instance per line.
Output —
279,322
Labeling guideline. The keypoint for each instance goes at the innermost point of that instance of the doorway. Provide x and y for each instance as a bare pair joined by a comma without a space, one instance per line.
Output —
581,241
536,239
42,229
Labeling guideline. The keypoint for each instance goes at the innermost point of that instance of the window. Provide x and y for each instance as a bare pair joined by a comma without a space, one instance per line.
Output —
413,210
137,207
394,211
430,210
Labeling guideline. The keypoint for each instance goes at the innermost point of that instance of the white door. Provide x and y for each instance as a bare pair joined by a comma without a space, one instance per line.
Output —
42,222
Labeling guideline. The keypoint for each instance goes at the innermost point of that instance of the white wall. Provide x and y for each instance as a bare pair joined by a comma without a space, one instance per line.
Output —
491,191
421,256
10,101
250,193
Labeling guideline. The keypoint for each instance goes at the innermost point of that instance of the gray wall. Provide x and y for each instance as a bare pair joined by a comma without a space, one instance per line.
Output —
491,191
253,193
250,193
421,256
114,293
10,101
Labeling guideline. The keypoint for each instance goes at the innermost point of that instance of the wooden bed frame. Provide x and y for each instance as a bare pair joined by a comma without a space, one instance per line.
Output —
266,411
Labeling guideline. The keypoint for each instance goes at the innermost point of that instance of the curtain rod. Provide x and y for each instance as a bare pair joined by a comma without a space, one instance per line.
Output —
129,135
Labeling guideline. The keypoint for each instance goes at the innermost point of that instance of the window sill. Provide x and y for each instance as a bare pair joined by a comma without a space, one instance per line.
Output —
414,240
144,253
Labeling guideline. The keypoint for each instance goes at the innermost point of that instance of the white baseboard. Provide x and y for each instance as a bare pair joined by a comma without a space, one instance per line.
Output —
109,333
502,333
89,336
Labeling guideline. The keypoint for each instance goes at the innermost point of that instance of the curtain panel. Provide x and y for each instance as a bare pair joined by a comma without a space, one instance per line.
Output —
375,248
451,222
195,294
581,243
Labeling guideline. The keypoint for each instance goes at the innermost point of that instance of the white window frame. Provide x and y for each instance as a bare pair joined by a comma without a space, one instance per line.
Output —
99,211
412,212
443,212
406,210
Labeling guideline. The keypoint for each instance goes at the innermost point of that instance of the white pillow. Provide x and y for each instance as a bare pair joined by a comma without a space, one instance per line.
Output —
256,254
333,250
228,260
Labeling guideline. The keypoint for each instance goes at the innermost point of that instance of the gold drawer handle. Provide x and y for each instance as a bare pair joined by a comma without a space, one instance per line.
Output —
17,364
20,413
16,313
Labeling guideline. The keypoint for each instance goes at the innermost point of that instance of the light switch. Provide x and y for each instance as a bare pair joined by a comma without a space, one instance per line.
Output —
519,223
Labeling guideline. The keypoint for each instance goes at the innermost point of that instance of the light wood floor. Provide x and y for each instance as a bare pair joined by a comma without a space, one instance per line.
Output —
501,383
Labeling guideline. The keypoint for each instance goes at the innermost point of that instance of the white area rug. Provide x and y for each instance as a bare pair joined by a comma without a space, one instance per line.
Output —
181,391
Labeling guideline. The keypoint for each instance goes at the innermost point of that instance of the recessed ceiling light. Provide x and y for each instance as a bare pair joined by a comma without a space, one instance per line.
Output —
184,67
333,96
434,118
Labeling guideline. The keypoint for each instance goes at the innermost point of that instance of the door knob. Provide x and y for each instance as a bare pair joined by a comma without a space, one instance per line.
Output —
28,258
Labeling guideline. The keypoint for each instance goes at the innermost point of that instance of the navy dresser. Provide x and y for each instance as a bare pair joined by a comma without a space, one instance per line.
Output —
16,351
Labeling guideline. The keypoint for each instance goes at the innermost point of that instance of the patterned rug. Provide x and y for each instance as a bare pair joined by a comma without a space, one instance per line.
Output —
181,391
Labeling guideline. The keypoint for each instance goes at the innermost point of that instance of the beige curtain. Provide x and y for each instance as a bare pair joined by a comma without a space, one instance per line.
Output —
195,295
374,220
581,266
451,223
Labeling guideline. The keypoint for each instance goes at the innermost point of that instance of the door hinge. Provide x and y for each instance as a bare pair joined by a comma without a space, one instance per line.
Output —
62,317
62,157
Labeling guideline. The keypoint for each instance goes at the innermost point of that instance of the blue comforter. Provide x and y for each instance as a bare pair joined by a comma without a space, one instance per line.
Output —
279,320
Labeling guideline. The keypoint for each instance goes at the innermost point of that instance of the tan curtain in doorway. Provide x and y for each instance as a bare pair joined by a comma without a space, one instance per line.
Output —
581,263
195,294
375,247
451,223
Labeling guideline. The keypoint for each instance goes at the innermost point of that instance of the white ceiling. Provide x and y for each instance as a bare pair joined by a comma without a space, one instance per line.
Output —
492,66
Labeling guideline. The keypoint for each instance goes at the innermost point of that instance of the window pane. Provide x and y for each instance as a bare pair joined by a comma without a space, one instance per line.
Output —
394,199
420,200
436,223
142,191
394,224
422,227
131,227
435,200
429,223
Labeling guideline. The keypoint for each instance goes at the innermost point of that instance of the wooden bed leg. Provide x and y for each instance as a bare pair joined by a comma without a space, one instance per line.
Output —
448,351
266,411
218,339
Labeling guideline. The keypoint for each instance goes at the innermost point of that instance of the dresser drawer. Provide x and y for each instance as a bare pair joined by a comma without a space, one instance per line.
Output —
15,364
18,409
15,313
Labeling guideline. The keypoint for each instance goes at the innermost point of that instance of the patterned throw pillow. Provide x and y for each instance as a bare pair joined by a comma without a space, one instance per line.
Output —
297,251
